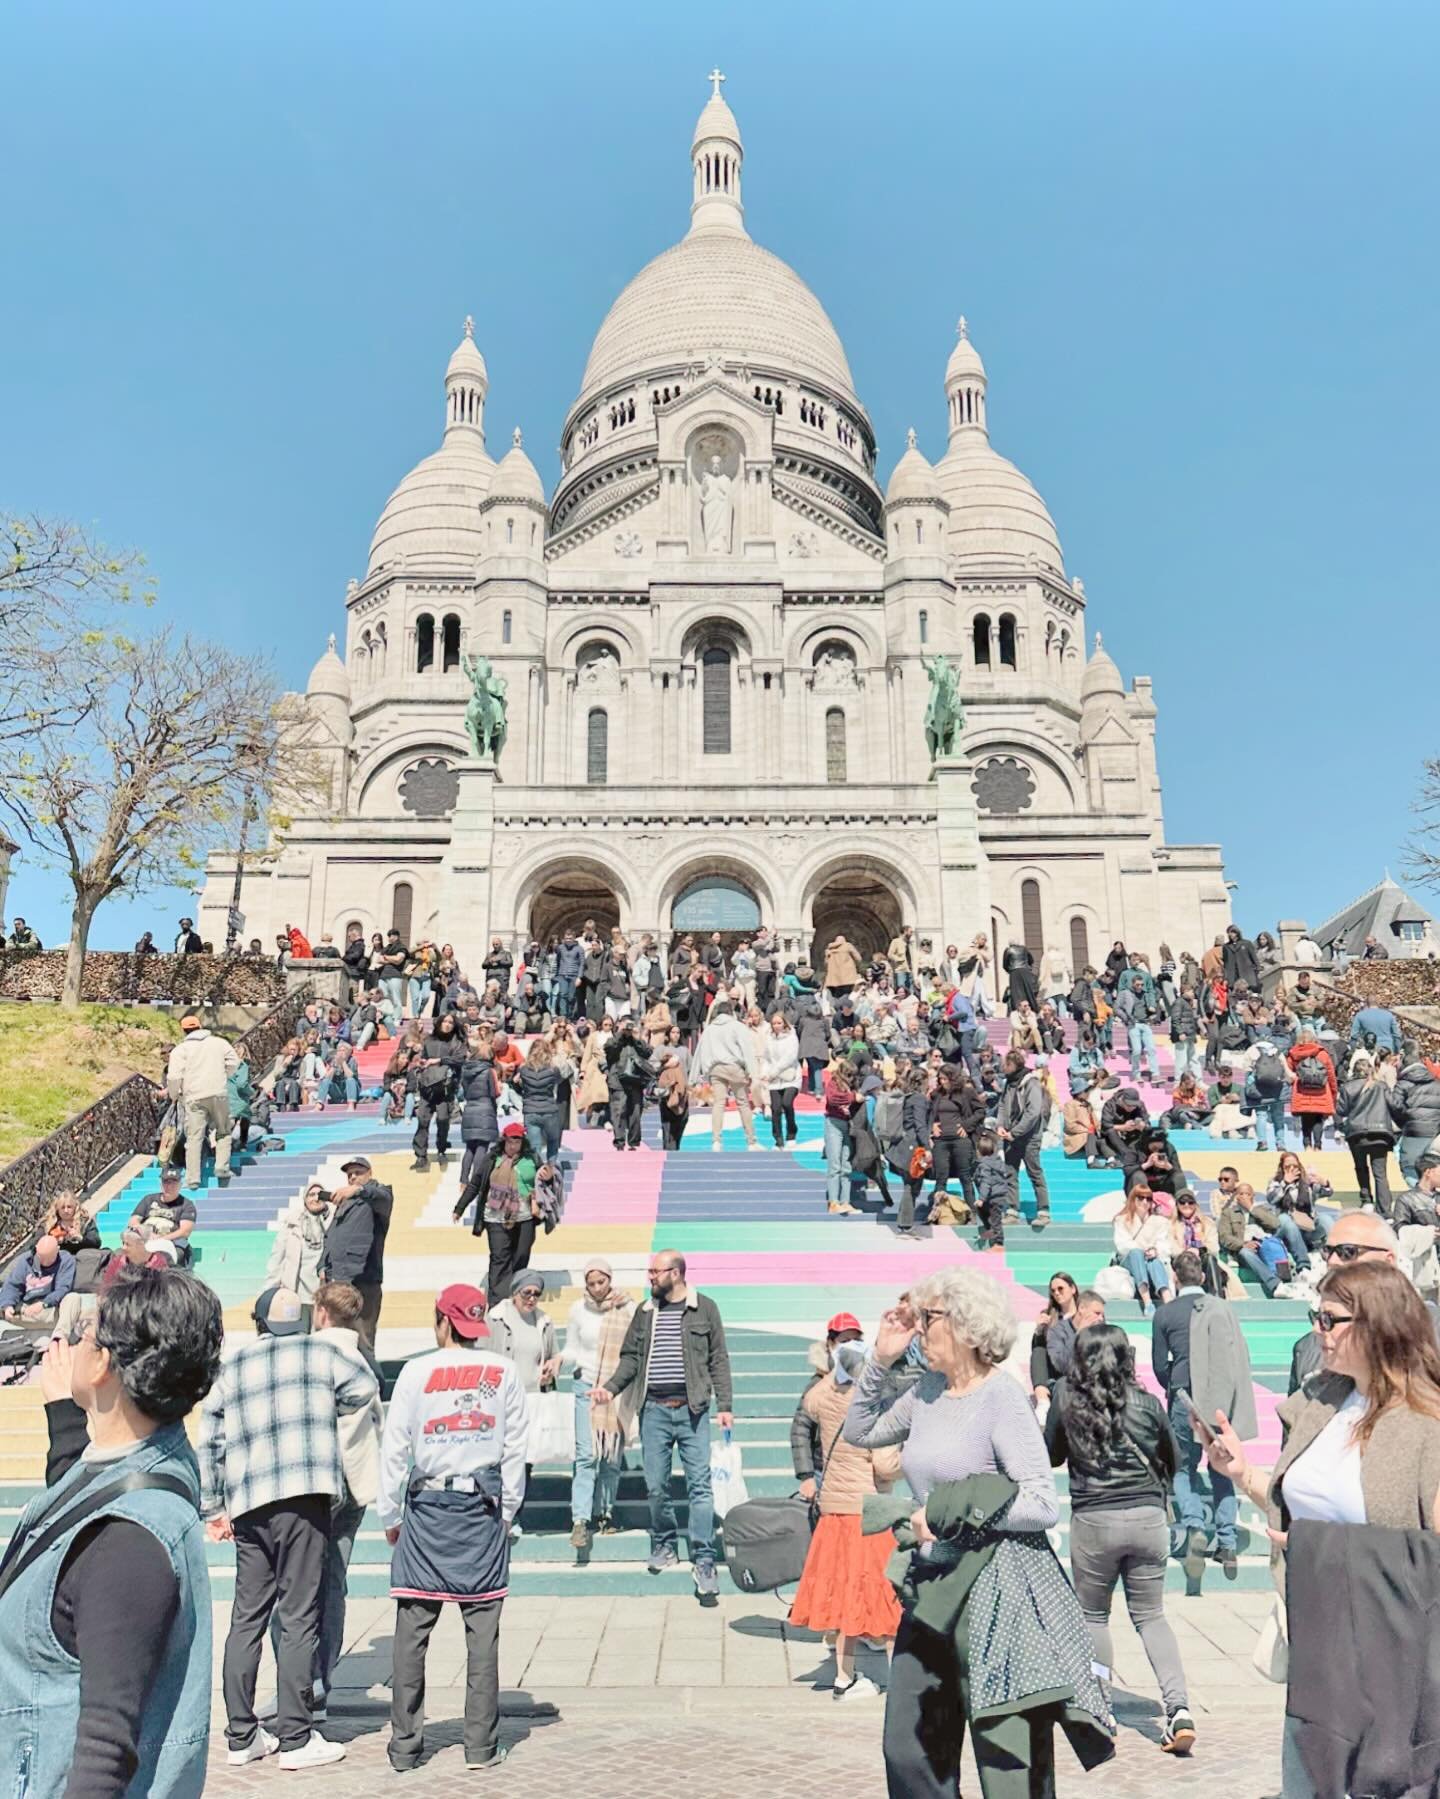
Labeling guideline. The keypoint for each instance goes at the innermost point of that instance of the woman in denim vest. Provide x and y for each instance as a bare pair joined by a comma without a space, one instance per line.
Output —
103,1590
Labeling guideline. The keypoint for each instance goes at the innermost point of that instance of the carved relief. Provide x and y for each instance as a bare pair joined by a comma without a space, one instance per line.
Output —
715,475
835,669
430,788
804,544
599,670
628,543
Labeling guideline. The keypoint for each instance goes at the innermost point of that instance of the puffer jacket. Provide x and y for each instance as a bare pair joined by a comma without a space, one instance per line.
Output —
1184,1021
479,1122
811,1029
1417,1100
1366,1110
847,1474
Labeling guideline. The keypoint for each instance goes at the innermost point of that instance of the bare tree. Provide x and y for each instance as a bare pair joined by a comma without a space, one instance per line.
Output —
1423,850
62,595
170,740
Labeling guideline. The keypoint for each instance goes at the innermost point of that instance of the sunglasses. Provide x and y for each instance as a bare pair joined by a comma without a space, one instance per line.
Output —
1348,1252
1328,1320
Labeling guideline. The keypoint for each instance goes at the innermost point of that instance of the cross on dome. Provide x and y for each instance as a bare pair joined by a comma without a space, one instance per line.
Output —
963,329
715,78
910,438
516,438
469,325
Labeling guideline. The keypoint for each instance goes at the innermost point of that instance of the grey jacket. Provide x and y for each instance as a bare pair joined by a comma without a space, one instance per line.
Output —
707,1360
1417,1101
1023,1106
1220,1378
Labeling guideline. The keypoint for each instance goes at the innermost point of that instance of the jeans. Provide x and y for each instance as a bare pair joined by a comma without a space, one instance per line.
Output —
414,1621
393,987
543,1135
663,1430
596,1481
1293,1238
367,1033
1145,1269
1261,1270
419,993
1271,1113
1131,1544
1189,1505
837,1161
1408,1151
1026,1151
1142,1048
1187,1057
564,999
814,1067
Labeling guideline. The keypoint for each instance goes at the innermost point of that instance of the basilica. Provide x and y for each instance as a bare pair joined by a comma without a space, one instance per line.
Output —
714,643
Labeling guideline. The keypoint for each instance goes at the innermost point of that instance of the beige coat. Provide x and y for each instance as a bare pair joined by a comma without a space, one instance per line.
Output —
842,964
847,1473
199,1067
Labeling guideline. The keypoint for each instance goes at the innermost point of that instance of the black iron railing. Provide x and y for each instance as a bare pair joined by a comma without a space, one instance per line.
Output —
120,1124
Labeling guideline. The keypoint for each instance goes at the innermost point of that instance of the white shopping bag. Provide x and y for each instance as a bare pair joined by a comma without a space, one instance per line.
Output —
552,1430
727,1477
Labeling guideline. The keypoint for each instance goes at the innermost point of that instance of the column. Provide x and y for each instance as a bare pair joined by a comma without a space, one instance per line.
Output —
964,871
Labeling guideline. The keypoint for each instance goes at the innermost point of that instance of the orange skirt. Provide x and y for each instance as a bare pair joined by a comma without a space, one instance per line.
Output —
844,1586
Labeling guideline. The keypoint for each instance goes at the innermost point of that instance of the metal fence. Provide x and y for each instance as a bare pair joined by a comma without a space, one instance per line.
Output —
122,1123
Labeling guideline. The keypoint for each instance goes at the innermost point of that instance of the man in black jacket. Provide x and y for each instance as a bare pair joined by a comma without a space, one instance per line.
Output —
1240,960
1123,1122
355,1242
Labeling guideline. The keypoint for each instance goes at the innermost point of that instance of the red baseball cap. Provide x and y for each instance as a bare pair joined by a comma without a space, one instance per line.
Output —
842,1321
513,1129
465,1308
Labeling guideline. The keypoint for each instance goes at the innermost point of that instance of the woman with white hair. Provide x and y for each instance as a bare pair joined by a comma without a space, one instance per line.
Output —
992,1632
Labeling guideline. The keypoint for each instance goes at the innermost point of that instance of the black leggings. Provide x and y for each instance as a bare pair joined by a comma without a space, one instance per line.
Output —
672,1127
955,1156
782,1115
510,1246
1371,1156
1312,1128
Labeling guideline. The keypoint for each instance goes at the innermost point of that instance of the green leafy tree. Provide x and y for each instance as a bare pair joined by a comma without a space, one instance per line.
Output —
166,741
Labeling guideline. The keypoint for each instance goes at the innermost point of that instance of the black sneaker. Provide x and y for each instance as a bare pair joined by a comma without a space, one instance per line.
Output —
1229,1564
1194,1562
443,1159
419,1166
1179,1737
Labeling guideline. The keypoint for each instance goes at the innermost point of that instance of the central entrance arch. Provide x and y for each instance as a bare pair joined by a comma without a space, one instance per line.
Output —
567,897
860,902
716,902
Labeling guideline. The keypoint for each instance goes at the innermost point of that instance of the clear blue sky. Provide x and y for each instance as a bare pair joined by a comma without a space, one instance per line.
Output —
1197,246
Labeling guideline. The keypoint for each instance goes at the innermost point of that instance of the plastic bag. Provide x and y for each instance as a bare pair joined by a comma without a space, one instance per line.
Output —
727,1476
552,1430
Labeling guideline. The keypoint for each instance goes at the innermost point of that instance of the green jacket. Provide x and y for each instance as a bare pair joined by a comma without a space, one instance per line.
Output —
976,1581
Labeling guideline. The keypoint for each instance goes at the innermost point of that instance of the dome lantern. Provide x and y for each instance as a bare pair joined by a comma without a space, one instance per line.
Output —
716,154
466,383
965,384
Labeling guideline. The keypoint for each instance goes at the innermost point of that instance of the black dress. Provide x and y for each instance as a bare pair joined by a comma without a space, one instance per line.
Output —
1019,964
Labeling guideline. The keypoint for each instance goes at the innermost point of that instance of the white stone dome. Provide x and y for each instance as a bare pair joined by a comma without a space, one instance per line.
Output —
467,359
716,121
913,478
964,359
516,477
995,513
716,291
1102,679
433,517
328,679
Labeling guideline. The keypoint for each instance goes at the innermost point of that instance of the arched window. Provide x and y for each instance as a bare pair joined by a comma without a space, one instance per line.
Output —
835,744
1030,918
981,634
353,924
1079,946
1007,641
505,623
402,909
924,627
450,643
424,643
597,747
715,702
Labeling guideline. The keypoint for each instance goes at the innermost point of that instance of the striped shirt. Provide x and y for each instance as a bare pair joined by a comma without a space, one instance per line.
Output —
667,1353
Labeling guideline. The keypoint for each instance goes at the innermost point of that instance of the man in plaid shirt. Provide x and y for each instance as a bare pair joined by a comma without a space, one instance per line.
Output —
270,1472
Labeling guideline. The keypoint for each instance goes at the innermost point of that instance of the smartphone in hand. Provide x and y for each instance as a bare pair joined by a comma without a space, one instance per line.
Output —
1203,1431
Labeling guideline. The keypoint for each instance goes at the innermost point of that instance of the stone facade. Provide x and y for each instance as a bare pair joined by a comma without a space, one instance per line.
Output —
713,635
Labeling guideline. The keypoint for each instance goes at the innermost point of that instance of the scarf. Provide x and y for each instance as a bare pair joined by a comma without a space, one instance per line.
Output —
612,1425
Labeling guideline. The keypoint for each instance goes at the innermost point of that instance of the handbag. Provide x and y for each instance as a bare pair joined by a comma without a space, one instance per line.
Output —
767,1542
1271,1654
551,1440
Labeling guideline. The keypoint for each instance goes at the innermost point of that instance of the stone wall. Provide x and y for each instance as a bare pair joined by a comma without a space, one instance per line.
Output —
113,978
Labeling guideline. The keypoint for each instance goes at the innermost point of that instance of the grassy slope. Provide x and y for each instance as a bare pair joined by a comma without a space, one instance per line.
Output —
53,1063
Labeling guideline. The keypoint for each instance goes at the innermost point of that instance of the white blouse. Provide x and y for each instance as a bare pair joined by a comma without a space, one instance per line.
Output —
1323,1482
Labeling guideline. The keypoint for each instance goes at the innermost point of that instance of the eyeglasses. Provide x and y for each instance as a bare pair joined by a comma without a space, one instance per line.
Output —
1349,1252
928,1316
1328,1320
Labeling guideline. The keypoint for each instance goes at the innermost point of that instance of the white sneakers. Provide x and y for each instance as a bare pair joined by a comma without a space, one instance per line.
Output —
259,1746
315,1752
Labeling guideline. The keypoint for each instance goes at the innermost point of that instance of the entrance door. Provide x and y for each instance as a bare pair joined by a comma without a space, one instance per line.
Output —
716,903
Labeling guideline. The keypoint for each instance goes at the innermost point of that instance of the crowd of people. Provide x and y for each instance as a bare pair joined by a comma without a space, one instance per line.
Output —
925,1452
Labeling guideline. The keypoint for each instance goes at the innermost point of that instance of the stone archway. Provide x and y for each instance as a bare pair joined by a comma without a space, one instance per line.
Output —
857,903
715,901
567,897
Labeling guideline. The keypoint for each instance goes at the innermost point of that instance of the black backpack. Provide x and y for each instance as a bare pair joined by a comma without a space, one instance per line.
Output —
1269,1076
766,1543
1311,1076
